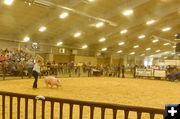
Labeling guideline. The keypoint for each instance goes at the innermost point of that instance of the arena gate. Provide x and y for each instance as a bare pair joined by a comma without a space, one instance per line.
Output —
103,106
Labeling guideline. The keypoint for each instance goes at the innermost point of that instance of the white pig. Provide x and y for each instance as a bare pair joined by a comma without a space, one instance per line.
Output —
52,81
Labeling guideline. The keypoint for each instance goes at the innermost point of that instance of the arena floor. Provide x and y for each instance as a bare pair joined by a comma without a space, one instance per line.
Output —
138,92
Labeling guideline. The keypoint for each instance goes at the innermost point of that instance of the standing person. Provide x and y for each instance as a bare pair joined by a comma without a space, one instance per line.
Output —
89,69
119,70
36,72
135,71
30,65
123,70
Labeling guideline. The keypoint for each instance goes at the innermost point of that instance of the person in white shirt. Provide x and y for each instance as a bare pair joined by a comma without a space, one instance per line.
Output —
36,72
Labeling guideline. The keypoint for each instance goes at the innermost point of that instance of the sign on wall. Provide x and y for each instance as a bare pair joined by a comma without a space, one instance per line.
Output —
144,72
160,73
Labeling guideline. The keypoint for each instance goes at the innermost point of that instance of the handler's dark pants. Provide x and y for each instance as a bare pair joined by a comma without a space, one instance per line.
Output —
35,74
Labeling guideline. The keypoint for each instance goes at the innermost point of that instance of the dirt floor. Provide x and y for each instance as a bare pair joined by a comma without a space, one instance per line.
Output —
137,92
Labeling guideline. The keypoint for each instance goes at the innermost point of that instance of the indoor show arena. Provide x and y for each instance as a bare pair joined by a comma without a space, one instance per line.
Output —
89,59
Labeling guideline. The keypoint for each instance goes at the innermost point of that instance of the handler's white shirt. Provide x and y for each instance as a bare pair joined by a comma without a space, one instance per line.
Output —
36,68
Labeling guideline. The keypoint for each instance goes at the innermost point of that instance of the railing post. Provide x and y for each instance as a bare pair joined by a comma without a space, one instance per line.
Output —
52,110
126,113
102,113
43,108
10,109
3,106
139,115
26,108
71,111
152,115
80,111
34,108
61,111
18,108
91,112
114,113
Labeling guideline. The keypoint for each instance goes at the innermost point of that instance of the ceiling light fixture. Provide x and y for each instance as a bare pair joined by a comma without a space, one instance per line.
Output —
136,46
84,46
166,43
142,54
132,53
150,22
158,50
100,24
148,49
173,46
8,2
63,15
154,41
102,39
26,39
104,49
128,12
120,51
77,34
166,29
141,36
124,31
121,43
43,28
59,43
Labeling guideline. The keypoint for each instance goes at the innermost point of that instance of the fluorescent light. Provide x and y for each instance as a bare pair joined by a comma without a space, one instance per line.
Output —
142,54
158,50
148,48
173,46
136,46
102,39
120,51
91,0
166,29
84,46
99,24
132,53
150,22
154,41
141,36
121,43
166,44
8,2
63,15
26,39
42,29
123,31
59,43
104,49
77,34
128,12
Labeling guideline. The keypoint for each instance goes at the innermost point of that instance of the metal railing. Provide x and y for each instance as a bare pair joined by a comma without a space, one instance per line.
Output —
81,104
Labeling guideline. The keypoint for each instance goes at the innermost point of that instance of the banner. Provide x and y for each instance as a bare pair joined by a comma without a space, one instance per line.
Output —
160,73
144,72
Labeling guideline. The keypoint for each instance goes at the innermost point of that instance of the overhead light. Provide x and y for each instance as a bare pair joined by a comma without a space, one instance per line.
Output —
166,29
123,31
99,24
84,46
132,53
148,49
173,46
102,39
77,34
166,43
151,55
121,43
141,36
63,15
154,41
128,12
142,54
136,46
120,51
59,43
150,22
26,39
104,49
91,0
42,29
8,2
29,4
158,50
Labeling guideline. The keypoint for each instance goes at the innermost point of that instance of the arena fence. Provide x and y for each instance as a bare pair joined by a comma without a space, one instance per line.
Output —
81,104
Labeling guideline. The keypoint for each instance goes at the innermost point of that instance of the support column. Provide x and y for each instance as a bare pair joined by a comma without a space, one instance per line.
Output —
19,46
125,58
111,60
51,56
